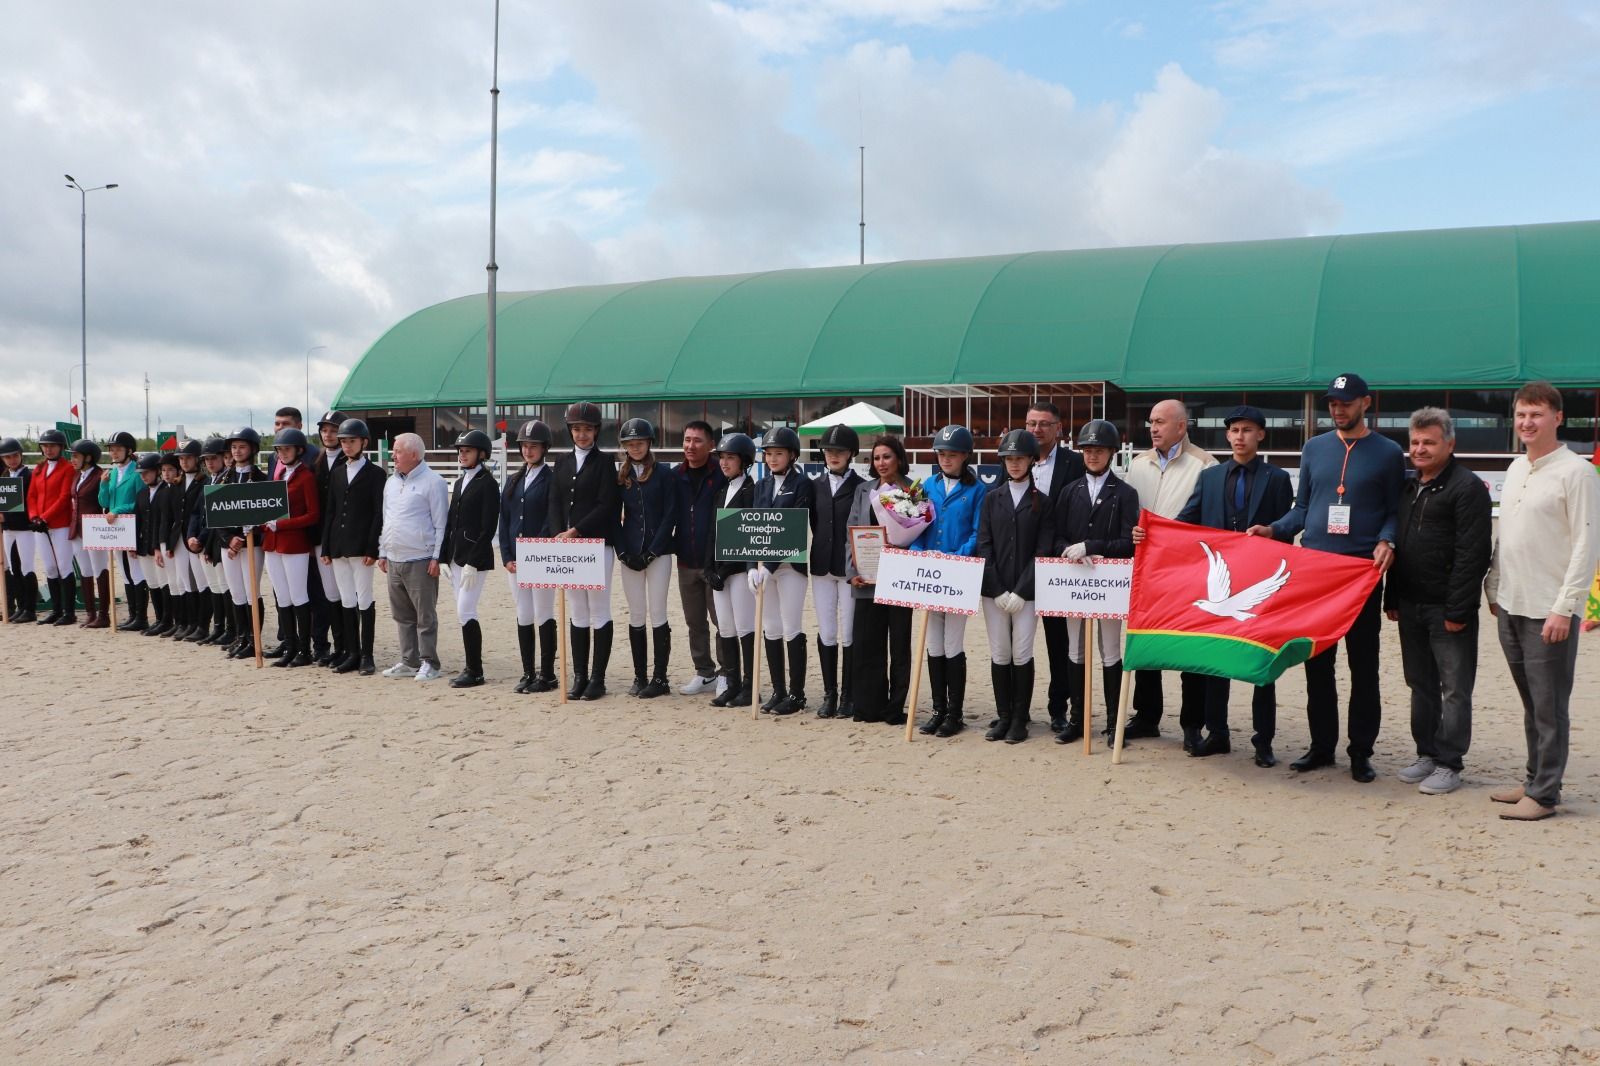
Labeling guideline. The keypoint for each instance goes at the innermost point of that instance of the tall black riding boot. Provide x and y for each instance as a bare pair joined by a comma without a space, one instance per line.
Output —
302,632
1021,698
350,622
199,619
546,680
245,646
161,607
747,648
641,658
217,620
288,627
525,649
471,675
828,660
780,692
285,646
28,605
53,586
578,638
658,685
955,678
369,626
596,688
728,649
1000,680
336,634
847,681
69,601
1111,681
936,682
177,614
797,677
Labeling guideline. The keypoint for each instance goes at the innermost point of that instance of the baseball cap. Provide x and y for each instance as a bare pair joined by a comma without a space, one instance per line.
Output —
1347,387
1246,413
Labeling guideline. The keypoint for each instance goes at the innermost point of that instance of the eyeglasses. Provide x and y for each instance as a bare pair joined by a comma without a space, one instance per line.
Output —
1040,424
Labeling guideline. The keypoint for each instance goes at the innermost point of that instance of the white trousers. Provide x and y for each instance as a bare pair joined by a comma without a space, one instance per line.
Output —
330,584
785,603
56,548
90,564
26,542
192,571
591,608
1010,635
468,589
646,591
947,633
216,581
836,610
132,572
1108,634
736,608
157,577
353,581
289,573
235,572
534,606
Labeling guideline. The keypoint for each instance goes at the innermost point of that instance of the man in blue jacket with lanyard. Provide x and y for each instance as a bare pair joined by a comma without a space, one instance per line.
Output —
1242,492
1348,503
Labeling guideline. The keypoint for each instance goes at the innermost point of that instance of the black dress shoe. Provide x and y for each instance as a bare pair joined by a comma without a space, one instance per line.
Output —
1361,769
595,689
1264,757
1216,744
466,679
1069,732
1191,738
1057,724
1146,728
1311,760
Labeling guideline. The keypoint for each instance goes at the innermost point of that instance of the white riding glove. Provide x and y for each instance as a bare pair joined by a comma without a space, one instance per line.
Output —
1009,602
1076,553
755,577
468,573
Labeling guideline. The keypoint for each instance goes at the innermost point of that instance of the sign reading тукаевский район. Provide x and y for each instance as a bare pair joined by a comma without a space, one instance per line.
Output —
253,503
11,494
762,534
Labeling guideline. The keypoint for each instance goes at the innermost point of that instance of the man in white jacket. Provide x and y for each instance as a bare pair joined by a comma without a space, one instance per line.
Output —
1165,477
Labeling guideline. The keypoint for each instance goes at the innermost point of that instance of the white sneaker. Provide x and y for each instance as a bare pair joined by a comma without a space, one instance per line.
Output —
1441,782
1418,770
428,673
400,670
696,684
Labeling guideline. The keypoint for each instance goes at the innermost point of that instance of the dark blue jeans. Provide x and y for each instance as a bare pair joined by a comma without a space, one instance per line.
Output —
1440,668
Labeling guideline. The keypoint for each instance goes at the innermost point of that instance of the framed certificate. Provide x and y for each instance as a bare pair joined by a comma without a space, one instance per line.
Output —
866,546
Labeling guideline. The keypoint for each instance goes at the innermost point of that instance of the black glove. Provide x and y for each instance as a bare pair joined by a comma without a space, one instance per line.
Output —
40,525
715,579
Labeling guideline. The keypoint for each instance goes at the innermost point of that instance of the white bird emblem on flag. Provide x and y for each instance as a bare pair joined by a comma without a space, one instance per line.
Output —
1220,599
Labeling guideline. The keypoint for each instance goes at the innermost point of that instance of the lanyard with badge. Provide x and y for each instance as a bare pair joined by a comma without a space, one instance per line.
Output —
1339,514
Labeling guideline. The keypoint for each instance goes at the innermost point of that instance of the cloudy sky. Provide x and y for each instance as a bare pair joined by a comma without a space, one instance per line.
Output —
298,176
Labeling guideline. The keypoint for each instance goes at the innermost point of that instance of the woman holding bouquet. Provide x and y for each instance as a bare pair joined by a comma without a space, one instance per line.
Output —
883,633
730,591
1014,526
955,494
787,487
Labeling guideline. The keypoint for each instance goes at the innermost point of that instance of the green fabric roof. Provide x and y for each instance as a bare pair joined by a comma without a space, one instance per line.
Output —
1470,307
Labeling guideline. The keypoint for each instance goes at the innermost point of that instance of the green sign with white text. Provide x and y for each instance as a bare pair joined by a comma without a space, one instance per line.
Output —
762,534
253,503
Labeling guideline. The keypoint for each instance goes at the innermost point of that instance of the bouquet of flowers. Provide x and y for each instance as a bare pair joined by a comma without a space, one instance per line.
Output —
904,513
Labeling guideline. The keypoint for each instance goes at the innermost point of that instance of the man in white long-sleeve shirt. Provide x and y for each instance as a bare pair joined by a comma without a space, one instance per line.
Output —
1165,477
416,502
1537,584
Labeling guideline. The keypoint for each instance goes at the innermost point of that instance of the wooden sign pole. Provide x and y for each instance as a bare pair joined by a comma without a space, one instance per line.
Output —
255,592
111,590
5,563
1088,685
755,667
916,677
561,638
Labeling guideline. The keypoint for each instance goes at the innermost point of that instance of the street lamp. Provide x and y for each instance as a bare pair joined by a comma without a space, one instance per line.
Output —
317,348
83,283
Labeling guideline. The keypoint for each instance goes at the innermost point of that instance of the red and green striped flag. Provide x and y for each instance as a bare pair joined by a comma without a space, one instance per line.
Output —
1213,602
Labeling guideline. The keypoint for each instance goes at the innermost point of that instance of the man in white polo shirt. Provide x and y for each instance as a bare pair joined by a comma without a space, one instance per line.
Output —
1538,581
416,503
1165,477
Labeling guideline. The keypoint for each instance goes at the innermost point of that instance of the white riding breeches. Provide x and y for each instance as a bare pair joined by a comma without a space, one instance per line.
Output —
1010,635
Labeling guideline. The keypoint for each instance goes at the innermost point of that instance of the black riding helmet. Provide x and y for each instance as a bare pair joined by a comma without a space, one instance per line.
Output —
1018,442
535,432
637,429
476,438
740,445
1098,433
88,449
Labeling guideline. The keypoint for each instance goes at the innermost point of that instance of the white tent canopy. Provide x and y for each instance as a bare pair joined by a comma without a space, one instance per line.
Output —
858,416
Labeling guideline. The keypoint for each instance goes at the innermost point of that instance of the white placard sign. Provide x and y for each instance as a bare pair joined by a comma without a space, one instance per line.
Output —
101,535
1096,588
931,581
552,563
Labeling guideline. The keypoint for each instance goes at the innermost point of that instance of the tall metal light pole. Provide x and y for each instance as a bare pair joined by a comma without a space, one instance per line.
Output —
83,288
493,268
316,348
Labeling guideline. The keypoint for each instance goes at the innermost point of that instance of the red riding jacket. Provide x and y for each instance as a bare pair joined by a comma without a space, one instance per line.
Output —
293,536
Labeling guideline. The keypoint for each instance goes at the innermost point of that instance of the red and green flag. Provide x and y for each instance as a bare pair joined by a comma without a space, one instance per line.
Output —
1209,601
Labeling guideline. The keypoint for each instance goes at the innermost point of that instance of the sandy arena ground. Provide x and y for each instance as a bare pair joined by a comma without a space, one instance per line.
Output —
208,863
